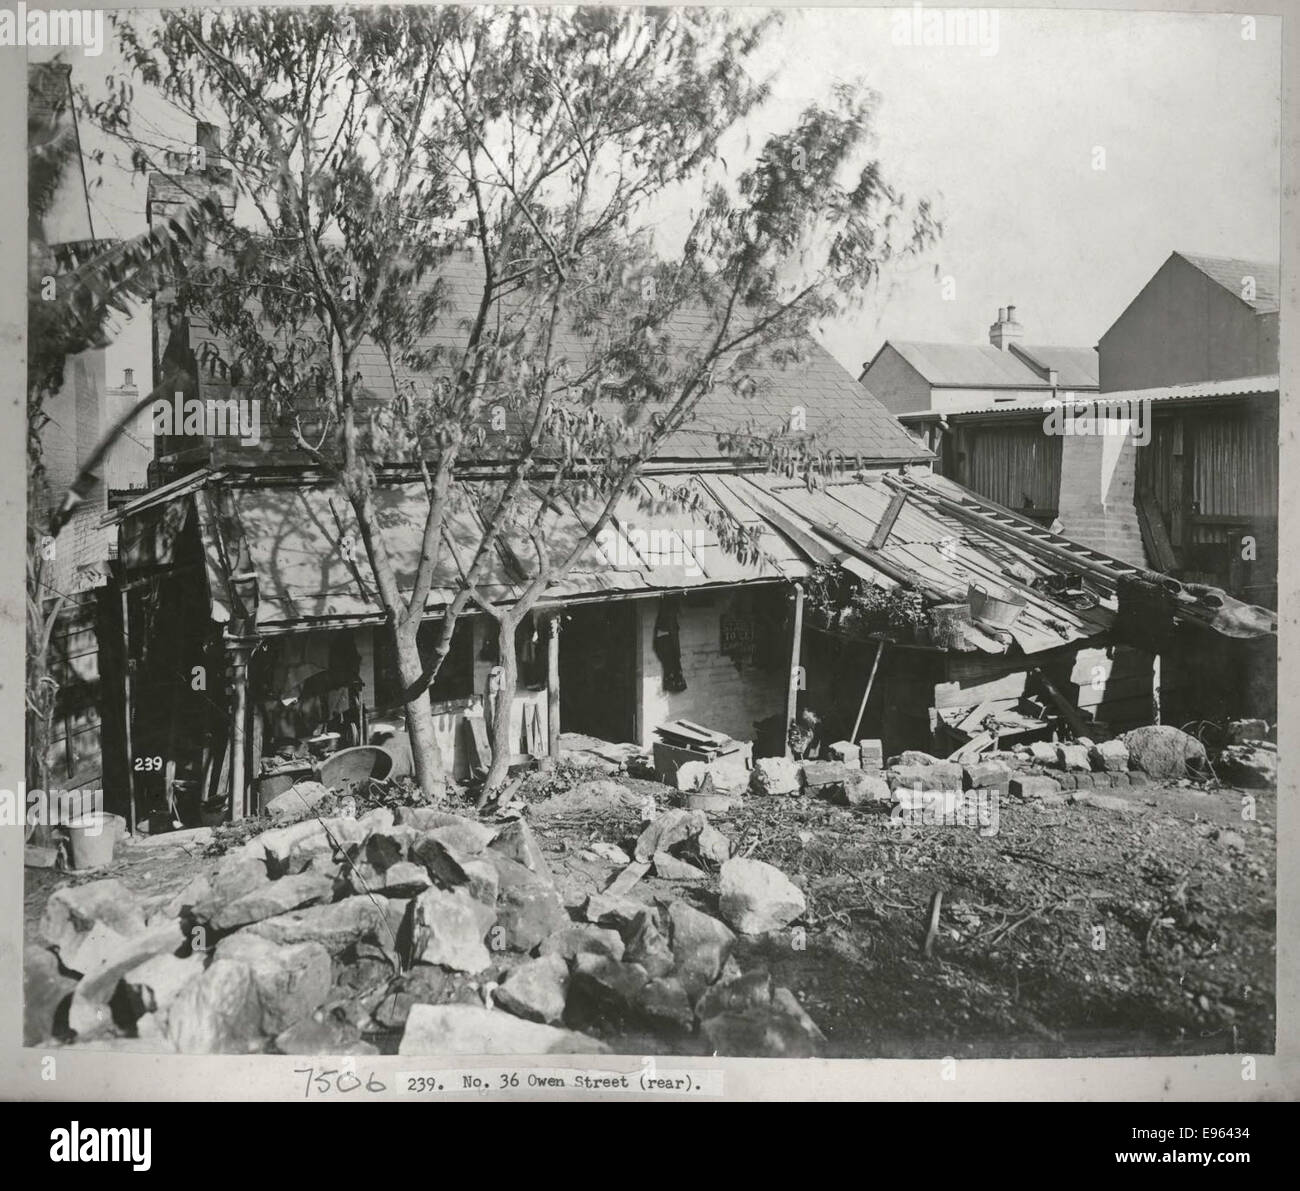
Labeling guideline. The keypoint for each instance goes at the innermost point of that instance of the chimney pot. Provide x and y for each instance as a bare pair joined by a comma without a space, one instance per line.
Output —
1002,332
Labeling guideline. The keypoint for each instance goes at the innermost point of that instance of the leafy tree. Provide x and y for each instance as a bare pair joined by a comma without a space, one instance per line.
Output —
369,152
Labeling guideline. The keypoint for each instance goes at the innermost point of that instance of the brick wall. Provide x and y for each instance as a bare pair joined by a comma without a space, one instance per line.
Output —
1098,486
721,692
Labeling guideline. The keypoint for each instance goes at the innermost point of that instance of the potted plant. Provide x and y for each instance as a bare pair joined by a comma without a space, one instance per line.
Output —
867,613
822,603
905,612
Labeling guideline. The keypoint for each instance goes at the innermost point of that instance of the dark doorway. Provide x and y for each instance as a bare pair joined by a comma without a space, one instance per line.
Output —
598,671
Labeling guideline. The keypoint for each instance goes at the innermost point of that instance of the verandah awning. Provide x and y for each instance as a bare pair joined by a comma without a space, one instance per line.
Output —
294,551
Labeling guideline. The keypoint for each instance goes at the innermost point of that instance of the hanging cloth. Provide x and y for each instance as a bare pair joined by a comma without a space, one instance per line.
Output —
667,645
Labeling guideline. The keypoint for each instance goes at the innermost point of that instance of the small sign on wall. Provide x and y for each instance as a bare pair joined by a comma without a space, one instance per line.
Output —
737,636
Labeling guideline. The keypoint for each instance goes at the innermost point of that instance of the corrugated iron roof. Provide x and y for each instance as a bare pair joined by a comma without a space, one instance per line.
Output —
296,537
945,554
1245,386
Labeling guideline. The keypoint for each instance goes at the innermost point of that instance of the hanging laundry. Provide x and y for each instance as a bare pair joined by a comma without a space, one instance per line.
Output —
667,645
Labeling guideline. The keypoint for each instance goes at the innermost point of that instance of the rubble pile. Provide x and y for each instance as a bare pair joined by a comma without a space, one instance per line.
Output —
858,776
421,930
1250,757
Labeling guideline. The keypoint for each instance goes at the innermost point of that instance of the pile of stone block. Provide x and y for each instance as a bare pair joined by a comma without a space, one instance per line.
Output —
316,937
853,775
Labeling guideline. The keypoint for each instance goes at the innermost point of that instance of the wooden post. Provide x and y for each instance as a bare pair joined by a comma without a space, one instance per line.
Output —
553,685
237,657
127,708
1155,689
796,647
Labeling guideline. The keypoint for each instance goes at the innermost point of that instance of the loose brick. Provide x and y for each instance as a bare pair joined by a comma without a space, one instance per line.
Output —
1031,788
1110,755
943,775
824,773
1073,757
986,775
847,753
871,754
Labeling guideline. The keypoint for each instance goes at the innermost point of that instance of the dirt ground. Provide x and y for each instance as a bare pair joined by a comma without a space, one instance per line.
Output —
1075,930
1184,963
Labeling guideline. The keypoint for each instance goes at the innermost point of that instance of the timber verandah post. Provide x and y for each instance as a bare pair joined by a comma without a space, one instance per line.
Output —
553,684
796,670
239,651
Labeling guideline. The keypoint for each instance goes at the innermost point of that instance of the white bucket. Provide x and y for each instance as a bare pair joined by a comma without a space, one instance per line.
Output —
92,837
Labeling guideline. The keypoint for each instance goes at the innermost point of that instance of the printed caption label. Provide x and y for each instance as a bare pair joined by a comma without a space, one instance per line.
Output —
566,1079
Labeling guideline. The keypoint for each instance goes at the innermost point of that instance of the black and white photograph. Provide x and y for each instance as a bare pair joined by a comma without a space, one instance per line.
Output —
566,546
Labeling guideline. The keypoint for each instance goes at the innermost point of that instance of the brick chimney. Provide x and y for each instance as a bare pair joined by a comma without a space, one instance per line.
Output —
1006,329
187,168
1098,486
127,463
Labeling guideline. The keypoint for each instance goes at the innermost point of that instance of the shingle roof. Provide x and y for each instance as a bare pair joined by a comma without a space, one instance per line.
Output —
1230,272
971,364
835,406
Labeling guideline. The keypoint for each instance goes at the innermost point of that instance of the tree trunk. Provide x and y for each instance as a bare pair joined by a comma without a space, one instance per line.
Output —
503,741
429,772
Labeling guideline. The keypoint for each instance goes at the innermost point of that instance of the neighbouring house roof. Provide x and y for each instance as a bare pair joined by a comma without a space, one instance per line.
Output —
1076,367
1210,390
1230,271
833,404
972,365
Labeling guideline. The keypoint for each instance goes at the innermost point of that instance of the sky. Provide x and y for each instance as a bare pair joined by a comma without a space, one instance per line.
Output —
1185,108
